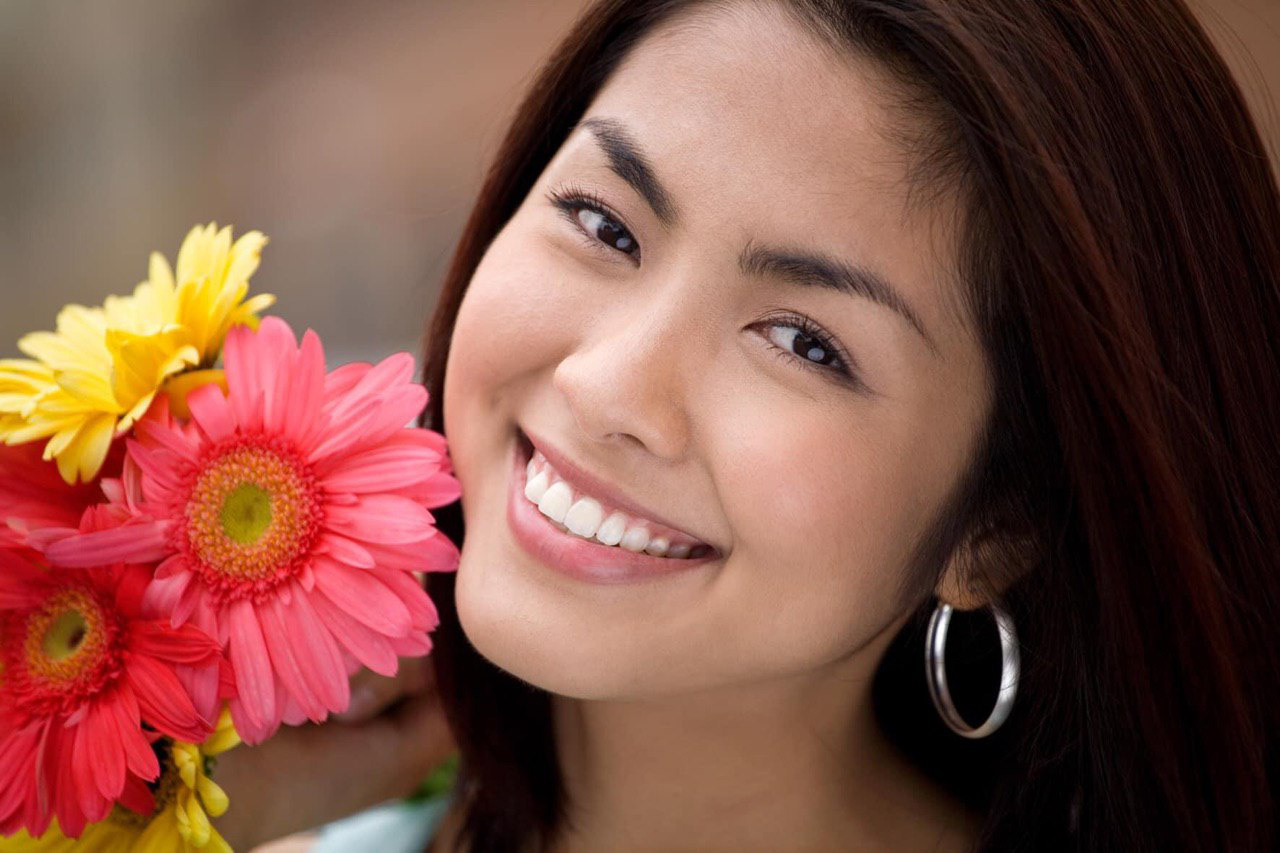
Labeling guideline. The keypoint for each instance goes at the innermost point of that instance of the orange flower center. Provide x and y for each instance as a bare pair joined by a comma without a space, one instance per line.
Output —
252,515
61,652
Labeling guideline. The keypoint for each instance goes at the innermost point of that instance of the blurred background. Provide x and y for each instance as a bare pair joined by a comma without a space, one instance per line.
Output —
355,135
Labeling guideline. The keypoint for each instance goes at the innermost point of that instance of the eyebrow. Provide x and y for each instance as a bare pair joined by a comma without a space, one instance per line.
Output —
795,266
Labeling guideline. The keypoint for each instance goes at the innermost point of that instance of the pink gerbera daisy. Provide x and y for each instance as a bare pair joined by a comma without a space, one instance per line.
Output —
80,671
294,509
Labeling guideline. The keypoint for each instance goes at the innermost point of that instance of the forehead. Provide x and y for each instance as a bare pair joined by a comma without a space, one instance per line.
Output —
761,130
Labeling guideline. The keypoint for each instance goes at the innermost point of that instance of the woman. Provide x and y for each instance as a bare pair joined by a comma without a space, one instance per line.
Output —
1036,380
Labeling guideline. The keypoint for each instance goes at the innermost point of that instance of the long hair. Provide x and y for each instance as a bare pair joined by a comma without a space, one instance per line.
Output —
1121,251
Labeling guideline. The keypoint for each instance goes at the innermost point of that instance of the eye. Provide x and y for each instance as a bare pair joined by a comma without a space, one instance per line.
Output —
600,227
802,341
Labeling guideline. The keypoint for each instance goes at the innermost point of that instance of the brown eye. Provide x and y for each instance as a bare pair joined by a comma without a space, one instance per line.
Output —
591,217
798,342
604,229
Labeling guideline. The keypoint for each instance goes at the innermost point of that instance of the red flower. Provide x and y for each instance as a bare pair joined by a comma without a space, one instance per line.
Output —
80,672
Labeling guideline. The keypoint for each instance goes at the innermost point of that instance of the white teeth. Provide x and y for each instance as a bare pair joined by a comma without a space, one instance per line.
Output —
635,539
658,546
610,532
555,501
536,487
584,517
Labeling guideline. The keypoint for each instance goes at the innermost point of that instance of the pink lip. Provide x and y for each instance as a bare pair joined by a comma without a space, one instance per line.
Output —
572,555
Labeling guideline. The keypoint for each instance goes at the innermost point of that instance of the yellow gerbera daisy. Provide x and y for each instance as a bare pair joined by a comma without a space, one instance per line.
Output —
185,800
90,380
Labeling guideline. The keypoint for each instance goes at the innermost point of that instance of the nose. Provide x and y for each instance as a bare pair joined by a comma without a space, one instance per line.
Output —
627,382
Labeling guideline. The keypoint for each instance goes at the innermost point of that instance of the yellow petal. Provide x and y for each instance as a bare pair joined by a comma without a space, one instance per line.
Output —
199,829
91,446
89,389
214,798
161,835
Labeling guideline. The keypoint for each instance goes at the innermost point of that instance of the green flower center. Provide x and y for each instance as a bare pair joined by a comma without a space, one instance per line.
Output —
246,513
65,635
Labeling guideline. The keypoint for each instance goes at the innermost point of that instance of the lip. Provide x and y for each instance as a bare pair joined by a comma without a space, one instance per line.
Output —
574,556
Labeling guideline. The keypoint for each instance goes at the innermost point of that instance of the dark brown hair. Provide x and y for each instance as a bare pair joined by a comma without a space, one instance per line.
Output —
1121,246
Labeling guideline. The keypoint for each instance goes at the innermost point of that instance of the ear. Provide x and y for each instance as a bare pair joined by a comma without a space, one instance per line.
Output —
983,566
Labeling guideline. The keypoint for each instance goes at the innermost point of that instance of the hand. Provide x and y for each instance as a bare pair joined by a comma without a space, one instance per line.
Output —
389,740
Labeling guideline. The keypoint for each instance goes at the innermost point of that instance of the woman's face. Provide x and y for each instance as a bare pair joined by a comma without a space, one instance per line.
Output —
680,345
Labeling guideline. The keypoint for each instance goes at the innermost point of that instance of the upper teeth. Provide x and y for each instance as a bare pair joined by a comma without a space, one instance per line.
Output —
585,516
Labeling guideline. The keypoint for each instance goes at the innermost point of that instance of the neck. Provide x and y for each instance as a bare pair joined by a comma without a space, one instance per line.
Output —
789,763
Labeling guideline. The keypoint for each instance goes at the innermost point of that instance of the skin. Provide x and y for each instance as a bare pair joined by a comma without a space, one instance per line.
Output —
727,707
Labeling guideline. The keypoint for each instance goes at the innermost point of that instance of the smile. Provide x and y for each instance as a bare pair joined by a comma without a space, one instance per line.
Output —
587,533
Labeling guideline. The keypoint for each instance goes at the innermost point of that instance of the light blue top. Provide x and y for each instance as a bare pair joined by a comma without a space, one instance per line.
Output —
396,826
400,826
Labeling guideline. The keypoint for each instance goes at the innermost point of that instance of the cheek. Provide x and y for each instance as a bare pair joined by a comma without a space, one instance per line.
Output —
513,323
821,515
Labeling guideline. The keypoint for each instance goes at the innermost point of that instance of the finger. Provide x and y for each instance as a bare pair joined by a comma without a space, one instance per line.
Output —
371,693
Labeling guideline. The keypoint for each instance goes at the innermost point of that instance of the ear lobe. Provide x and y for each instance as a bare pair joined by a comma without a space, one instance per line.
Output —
984,566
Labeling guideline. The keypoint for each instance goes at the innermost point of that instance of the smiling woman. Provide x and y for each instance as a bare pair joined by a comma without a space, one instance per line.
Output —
859,297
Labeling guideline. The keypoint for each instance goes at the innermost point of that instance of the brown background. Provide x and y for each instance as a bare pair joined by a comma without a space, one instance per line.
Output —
353,134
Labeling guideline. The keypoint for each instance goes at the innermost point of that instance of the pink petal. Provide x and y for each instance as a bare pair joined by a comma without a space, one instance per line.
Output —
163,702
441,490
170,438
126,715
245,391
436,553
251,730
158,469
339,382
383,468
363,596
141,542
415,598
248,652
211,412
100,751
306,394
385,519
415,645
366,645
282,637
163,594
344,550
186,644
319,656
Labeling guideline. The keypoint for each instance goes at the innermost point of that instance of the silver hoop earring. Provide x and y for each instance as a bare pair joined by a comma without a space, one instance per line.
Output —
935,647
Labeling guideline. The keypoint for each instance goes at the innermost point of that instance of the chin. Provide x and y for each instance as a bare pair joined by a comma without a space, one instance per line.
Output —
506,626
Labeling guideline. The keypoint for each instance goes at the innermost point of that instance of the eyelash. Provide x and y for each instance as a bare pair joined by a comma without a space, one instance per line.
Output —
846,373
567,199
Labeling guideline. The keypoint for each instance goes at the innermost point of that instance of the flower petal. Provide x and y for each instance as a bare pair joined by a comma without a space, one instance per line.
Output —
142,542
363,596
248,651
385,519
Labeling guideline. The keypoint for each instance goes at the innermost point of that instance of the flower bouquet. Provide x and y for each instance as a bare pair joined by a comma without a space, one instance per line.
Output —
203,534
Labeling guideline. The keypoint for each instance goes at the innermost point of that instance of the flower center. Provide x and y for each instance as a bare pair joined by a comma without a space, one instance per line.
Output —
251,516
246,513
61,652
65,635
